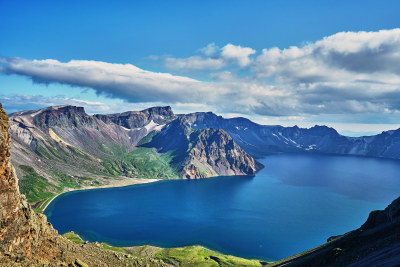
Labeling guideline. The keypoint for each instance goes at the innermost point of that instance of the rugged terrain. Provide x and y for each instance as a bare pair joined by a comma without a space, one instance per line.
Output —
105,148
202,153
191,147
27,239
156,143
260,140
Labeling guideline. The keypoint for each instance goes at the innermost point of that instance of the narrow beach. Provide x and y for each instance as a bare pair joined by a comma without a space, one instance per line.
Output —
113,183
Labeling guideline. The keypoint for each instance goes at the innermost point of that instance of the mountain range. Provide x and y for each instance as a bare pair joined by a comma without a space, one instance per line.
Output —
261,140
156,143
27,239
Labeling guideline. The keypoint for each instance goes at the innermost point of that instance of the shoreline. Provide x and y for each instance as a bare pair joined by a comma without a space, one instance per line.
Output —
113,184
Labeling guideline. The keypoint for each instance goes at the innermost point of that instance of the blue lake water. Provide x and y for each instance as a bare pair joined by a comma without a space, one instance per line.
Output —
296,202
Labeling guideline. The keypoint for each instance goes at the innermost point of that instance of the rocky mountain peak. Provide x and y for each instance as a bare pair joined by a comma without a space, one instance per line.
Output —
214,152
137,119
161,111
62,116
322,130
69,109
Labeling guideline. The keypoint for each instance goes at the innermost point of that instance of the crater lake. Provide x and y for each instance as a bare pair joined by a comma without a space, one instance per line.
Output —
295,203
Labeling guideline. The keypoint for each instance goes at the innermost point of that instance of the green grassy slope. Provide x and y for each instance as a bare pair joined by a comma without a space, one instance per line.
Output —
143,163
186,256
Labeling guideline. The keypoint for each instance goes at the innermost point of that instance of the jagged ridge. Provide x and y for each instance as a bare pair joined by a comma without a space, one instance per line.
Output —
203,153
261,140
48,141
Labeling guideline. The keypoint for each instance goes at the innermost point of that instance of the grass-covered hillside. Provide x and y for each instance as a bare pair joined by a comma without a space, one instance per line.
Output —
186,256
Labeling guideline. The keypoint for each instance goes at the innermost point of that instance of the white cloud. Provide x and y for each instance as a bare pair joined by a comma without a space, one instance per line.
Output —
214,58
30,102
210,50
194,63
345,56
354,74
124,81
238,54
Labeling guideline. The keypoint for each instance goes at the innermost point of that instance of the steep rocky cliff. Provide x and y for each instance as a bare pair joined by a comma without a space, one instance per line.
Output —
137,119
203,153
27,239
213,152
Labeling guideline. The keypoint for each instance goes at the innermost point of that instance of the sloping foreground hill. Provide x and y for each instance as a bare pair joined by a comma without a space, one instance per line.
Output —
27,239
104,148
375,243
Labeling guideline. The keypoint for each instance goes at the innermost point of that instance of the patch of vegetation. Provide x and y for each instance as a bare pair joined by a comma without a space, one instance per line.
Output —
53,152
35,187
39,191
111,148
147,138
79,153
73,237
186,256
105,149
142,162
200,256
119,249
41,151
80,263
67,180
112,167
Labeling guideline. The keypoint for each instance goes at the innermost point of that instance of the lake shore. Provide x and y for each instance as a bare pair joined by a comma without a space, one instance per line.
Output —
113,183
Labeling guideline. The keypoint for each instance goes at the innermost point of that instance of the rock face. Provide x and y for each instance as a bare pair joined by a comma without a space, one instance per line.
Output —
203,153
375,243
137,119
215,153
24,234
26,238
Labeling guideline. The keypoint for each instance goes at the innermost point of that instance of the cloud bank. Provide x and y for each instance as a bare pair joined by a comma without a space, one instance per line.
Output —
347,73
17,102
213,58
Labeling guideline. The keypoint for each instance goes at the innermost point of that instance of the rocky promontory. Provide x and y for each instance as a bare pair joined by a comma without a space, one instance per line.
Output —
203,153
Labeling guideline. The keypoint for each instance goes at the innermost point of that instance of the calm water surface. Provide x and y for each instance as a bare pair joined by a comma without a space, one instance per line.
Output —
296,202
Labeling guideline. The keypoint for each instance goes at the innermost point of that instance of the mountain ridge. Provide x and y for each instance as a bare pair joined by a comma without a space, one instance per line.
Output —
103,147
261,140
32,240
156,143
203,153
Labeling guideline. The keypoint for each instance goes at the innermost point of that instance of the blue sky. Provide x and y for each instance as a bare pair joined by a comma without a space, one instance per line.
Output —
259,59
